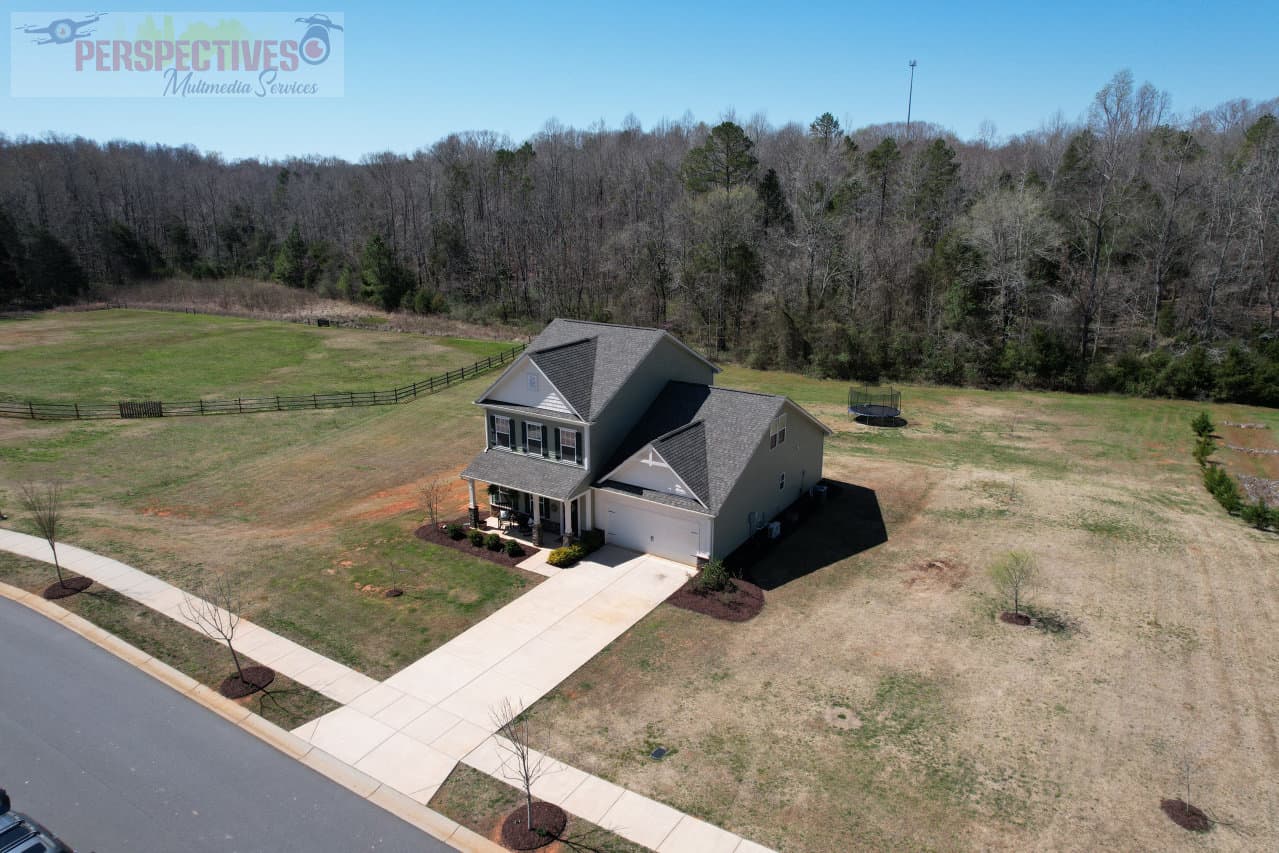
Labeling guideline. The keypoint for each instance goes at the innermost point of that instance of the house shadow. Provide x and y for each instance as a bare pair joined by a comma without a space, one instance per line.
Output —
815,534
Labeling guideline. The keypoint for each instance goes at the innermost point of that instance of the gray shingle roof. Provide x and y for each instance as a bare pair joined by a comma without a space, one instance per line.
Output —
652,495
526,474
618,350
571,369
732,425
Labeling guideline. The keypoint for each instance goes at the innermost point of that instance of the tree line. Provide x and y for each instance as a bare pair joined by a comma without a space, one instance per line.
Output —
1134,250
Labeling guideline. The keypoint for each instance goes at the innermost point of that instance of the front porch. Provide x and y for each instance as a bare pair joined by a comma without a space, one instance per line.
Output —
539,520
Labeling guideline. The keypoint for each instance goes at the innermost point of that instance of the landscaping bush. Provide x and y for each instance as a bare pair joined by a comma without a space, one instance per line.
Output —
455,532
562,558
1205,446
714,577
593,540
1224,488
1202,425
1258,514
476,537
514,549
493,542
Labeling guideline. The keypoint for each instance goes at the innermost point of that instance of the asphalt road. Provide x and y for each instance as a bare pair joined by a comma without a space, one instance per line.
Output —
113,761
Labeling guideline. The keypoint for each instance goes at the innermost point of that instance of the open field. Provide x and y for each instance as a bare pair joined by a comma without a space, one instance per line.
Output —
877,703
311,511
957,731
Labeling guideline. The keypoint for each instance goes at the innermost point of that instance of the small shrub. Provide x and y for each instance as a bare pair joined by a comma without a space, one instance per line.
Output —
476,537
562,558
1202,425
514,549
714,577
593,540
455,532
493,542
1258,514
1224,488
1205,446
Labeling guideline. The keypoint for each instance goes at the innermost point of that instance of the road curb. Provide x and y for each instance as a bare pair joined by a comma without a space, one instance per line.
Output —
393,802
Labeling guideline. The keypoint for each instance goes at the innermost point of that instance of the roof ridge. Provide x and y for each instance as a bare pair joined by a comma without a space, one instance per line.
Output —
610,325
679,429
554,347
730,390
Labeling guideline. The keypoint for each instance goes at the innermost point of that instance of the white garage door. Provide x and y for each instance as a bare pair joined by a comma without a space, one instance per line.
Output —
676,536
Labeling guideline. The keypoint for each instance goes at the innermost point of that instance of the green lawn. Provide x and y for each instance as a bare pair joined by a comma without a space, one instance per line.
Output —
145,355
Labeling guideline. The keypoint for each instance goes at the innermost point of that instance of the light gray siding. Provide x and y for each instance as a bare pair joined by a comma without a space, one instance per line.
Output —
757,490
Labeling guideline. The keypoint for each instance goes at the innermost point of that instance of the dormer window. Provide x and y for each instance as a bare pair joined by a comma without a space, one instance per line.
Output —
502,431
568,446
777,431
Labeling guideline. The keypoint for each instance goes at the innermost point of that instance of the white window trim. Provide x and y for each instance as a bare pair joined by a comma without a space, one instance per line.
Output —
500,421
529,428
572,436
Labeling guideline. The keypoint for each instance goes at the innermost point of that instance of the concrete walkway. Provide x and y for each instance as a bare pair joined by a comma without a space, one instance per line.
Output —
408,732
330,678
412,728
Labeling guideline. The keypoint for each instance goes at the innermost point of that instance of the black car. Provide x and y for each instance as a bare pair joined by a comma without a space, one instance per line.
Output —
21,834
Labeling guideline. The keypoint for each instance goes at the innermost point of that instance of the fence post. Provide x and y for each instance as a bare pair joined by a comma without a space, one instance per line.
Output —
31,408
239,405
77,410
350,396
201,405
315,404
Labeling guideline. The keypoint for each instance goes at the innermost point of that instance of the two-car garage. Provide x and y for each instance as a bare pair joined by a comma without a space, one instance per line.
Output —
641,525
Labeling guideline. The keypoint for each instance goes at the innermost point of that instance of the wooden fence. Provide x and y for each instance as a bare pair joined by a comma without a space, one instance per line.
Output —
248,405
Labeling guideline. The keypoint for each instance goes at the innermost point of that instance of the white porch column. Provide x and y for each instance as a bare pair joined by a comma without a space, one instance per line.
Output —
566,518
588,517
473,508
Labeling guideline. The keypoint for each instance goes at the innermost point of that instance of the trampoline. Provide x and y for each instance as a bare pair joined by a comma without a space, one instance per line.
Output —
878,406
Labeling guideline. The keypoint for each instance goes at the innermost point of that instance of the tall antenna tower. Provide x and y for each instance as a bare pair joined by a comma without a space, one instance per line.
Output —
910,97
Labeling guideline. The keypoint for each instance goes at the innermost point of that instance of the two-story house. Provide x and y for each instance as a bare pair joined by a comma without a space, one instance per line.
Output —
622,429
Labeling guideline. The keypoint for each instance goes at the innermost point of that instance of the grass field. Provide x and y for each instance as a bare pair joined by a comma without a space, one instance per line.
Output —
876,703
311,511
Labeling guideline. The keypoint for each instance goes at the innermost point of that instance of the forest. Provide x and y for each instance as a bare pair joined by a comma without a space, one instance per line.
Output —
1133,250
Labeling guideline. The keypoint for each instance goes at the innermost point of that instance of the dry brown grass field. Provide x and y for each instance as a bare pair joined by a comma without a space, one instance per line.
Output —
876,702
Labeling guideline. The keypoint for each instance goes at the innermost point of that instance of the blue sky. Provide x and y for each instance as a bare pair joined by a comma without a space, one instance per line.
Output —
417,71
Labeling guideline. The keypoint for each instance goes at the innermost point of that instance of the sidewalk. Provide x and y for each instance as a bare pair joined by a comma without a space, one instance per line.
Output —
406,734
330,678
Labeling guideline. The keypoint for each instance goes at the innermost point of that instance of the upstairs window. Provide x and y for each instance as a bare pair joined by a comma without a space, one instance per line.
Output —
533,439
568,446
502,431
777,431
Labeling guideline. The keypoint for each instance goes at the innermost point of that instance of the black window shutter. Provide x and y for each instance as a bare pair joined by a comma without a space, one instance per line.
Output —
557,443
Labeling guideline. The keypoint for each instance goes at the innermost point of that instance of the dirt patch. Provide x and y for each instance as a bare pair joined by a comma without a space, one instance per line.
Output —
70,587
842,718
437,536
739,604
255,678
1185,815
548,824
939,575
1250,452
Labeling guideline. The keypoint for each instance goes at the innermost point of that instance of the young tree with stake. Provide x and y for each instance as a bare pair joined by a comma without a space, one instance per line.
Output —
1012,574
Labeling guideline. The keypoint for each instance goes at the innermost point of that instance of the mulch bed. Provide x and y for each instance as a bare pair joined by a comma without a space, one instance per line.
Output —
736,605
427,533
74,585
255,678
1186,816
1014,618
548,824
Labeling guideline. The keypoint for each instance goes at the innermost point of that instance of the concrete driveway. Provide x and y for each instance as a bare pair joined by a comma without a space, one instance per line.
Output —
411,729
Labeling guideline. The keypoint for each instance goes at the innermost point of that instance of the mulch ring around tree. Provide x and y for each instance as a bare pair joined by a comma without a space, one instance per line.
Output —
738,604
255,678
427,533
64,590
548,824
1186,816
1014,618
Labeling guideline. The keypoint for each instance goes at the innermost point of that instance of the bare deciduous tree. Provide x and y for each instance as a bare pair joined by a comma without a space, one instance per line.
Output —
215,610
434,496
520,764
45,505
1013,573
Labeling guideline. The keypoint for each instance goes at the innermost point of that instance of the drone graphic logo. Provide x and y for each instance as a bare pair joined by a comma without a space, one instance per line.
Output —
314,47
63,30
